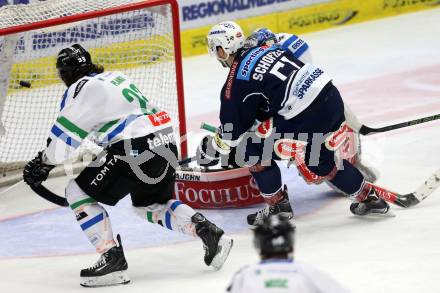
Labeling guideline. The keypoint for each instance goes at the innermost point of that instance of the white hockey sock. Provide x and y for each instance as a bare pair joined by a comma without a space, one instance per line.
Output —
173,215
92,218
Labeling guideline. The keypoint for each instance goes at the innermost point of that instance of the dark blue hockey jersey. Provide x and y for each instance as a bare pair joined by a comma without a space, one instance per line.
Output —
264,82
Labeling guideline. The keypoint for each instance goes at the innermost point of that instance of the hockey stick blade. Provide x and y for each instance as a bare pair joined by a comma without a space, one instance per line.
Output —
49,195
414,198
365,130
425,190
61,201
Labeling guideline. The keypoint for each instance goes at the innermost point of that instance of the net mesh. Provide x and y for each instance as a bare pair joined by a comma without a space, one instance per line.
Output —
138,43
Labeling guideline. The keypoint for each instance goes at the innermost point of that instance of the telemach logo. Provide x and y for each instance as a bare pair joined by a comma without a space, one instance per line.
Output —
335,17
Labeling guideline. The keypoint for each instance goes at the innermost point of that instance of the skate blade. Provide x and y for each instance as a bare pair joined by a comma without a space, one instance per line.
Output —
224,247
290,216
388,214
112,279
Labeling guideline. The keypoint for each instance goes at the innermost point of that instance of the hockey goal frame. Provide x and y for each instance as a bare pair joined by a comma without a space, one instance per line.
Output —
119,9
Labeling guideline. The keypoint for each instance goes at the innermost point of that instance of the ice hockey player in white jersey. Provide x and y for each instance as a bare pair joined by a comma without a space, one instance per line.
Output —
139,158
278,271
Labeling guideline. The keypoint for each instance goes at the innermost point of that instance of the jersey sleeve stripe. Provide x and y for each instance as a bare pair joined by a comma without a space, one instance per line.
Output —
289,41
63,101
64,137
72,127
301,51
108,125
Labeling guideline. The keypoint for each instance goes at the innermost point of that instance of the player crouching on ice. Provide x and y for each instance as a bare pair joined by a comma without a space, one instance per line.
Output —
278,271
111,107
303,121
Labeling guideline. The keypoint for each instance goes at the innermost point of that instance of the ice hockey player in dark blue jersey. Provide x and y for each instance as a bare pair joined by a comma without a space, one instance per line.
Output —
301,51
302,115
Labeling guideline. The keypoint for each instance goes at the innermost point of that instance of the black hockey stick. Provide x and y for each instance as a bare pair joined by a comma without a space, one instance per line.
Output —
49,195
61,200
365,130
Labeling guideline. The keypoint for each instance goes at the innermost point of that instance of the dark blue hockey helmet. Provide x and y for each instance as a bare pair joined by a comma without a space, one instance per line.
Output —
274,236
261,37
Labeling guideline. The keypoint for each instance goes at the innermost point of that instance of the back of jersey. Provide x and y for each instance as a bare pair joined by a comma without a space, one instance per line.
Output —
108,107
124,112
282,276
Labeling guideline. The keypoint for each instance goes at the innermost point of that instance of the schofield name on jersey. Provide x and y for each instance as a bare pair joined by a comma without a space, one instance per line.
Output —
248,62
265,63
306,81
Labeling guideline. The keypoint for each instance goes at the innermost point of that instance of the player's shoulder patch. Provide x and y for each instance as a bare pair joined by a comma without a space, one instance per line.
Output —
79,86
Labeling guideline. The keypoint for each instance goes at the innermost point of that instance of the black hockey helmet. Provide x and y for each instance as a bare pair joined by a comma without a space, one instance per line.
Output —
73,63
274,236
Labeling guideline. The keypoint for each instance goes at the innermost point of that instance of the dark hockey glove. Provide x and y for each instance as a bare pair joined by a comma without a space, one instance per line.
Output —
206,155
36,171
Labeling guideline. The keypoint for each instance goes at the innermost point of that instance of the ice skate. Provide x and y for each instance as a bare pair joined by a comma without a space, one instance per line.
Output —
371,205
109,270
216,245
282,208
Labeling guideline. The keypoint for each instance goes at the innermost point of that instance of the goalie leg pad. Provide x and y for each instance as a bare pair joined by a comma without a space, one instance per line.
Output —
174,215
91,216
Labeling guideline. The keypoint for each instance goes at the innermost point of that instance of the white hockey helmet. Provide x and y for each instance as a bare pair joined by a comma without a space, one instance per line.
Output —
227,35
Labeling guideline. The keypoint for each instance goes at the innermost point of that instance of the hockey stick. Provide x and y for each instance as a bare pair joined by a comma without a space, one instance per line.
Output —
45,193
402,200
413,198
49,195
365,130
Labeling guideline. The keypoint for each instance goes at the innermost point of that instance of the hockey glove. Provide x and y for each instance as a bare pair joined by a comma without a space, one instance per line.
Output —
36,171
206,155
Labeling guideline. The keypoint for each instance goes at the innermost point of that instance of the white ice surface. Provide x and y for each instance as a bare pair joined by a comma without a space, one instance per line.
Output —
388,70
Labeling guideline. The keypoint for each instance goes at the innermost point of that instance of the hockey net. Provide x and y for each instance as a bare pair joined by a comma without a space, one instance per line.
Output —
139,38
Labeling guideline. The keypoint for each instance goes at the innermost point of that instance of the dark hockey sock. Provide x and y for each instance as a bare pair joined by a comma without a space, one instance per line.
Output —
349,180
269,182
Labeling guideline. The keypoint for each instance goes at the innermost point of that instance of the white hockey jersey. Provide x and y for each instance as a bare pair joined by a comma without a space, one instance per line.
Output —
108,107
277,276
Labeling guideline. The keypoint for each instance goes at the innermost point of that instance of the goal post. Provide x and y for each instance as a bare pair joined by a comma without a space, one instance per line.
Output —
139,38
